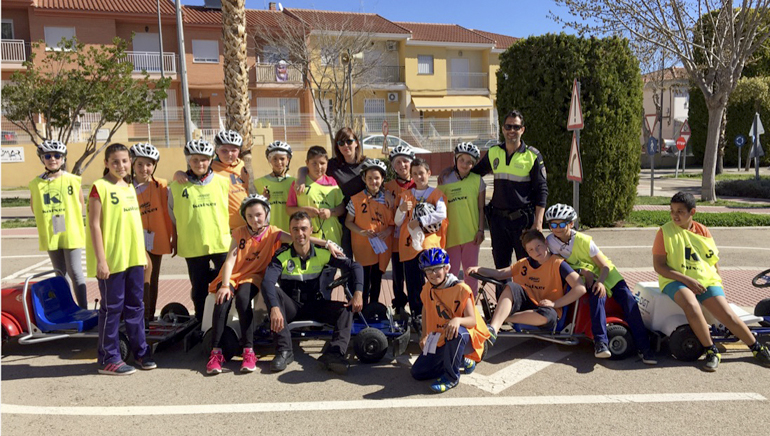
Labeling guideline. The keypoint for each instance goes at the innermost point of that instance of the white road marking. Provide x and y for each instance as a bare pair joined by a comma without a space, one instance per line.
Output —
26,270
26,256
516,371
397,403
625,247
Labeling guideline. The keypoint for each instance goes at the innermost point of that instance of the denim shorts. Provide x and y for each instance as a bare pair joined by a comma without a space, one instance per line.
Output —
712,291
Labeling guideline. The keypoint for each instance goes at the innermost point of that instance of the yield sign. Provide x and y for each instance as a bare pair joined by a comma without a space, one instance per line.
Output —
575,119
651,121
685,130
575,164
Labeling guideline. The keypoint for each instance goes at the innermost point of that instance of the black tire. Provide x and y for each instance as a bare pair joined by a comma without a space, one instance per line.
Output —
375,312
370,345
762,308
684,345
124,346
174,309
621,342
762,280
229,343
486,309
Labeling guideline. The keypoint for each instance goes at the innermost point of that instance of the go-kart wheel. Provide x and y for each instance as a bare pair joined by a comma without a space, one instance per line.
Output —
684,345
124,346
375,312
763,309
762,280
484,352
370,345
621,342
486,308
173,309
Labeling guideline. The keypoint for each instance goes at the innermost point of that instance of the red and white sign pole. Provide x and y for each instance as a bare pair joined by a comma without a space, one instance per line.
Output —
575,164
385,131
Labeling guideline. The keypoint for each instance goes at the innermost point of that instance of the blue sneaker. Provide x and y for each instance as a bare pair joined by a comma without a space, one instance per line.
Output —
468,365
442,384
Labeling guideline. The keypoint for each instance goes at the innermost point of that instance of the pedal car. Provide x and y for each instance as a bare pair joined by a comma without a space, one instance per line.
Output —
45,311
667,321
374,331
573,325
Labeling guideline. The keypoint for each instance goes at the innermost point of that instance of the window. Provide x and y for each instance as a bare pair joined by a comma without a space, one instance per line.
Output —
205,51
172,109
424,64
374,112
271,110
329,57
7,29
54,35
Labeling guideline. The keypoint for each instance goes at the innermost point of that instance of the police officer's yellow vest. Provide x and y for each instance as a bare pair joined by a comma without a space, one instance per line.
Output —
278,193
292,269
202,219
580,258
519,167
60,196
122,232
692,255
462,199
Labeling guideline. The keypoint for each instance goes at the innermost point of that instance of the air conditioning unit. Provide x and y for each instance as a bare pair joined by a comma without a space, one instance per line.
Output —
391,45
392,97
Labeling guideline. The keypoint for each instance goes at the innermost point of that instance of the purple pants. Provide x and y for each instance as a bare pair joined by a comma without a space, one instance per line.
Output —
121,294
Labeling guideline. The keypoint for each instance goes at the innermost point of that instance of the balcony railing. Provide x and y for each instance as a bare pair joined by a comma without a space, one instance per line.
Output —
467,80
273,73
388,74
150,61
14,50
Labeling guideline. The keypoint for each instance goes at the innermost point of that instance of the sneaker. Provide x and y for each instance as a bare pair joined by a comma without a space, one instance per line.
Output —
216,359
443,384
648,357
146,363
601,351
763,355
117,368
711,363
249,361
334,361
468,365
492,335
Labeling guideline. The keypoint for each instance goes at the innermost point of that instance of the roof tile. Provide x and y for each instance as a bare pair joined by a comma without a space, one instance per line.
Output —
501,41
334,20
132,6
444,33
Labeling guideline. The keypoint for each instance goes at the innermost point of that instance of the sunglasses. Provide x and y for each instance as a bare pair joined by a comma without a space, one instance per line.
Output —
514,127
559,225
342,142
50,156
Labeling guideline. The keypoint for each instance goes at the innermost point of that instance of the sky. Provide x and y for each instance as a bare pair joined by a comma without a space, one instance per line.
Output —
519,18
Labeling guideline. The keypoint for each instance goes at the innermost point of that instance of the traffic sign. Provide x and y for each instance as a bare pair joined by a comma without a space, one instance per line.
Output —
681,142
575,119
651,121
652,145
685,130
385,128
575,164
740,141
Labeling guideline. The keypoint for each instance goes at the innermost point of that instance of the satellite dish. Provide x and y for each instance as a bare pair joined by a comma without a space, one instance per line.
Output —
280,7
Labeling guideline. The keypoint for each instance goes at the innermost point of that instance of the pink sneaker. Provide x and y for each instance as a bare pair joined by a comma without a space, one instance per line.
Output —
215,362
249,361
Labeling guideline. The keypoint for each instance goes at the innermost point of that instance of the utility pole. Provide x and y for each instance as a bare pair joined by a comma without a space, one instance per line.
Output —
183,73
162,75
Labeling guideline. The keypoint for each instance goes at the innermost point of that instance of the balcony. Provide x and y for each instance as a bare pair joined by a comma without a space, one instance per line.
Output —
388,74
150,62
14,51
467,81
273,73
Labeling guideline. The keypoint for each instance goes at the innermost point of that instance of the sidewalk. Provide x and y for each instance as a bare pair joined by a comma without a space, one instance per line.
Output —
712,209
666,185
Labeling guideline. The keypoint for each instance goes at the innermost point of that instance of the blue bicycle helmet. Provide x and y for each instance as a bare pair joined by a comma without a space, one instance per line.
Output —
433,257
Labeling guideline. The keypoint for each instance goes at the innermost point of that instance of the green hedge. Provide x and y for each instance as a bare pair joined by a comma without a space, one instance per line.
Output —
536,77
744,188
655,218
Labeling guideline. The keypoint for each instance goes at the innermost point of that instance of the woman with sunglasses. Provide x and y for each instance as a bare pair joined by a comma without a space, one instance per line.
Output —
57,202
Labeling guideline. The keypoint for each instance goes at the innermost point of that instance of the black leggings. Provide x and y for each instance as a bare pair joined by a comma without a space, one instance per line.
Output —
372,283
201,274
151,277
243,296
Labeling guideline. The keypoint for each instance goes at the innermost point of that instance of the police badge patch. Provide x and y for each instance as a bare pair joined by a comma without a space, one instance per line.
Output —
496,163
290,265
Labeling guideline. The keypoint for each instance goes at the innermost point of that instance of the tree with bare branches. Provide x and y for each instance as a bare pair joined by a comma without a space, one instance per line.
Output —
712,39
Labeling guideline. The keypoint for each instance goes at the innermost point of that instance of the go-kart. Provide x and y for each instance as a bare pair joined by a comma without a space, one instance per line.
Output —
45,311
573,325
667,320
374,331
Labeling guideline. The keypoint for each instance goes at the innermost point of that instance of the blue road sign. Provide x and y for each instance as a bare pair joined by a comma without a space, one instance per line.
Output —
740,141
652,145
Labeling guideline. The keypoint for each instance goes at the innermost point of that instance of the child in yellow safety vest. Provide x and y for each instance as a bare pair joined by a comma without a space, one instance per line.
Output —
685,257
116,256
453,332
276,185
153,206
370,220
57,203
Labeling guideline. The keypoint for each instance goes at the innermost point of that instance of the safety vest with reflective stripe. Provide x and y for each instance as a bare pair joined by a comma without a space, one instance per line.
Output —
693,255
294,268
519,167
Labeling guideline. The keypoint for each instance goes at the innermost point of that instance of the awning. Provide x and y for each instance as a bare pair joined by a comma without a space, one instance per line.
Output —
453,103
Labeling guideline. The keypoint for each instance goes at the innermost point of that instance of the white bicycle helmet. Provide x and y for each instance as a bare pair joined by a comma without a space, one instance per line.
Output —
253,199
468,148
144,150
560,211
51,146
401,150
228,137
199,146
279,146
376,164
425,209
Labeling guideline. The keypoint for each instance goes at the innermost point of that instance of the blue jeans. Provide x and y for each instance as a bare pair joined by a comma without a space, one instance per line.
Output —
628,304
447,359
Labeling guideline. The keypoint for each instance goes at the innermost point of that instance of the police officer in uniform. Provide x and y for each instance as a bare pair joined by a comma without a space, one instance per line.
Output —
520,190
304,271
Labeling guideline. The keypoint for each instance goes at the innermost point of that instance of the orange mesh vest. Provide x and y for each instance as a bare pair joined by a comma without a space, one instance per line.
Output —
252,257
541,283
153,205
370,215
237,192
434,240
